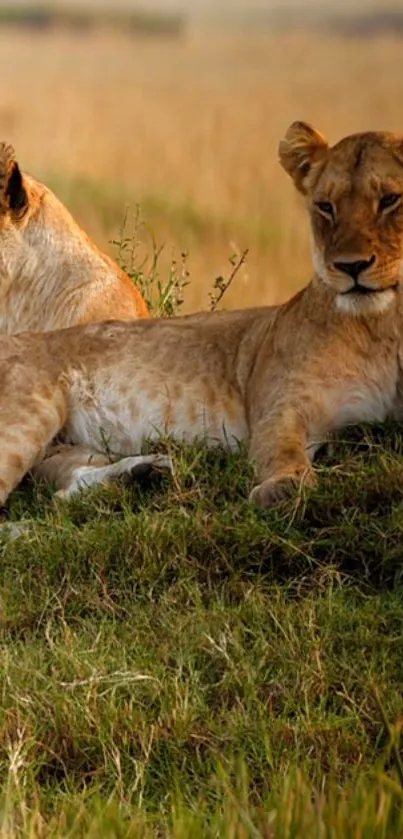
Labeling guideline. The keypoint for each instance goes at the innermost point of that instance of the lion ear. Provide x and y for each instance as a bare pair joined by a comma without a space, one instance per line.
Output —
301,147
13,196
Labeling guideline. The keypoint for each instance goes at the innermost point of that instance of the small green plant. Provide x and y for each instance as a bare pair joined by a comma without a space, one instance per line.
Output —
164,297
221,285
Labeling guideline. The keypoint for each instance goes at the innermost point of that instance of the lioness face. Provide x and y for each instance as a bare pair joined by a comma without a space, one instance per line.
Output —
354,196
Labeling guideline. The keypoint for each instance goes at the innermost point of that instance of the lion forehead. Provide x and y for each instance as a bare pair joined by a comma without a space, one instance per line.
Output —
362,165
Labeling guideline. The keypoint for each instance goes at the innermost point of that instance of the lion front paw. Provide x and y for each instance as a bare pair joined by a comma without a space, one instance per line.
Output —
274,490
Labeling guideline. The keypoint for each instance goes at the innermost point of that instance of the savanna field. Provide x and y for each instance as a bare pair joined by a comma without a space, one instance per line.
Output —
175,663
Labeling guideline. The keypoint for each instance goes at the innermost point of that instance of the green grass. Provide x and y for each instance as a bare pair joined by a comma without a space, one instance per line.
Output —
177,663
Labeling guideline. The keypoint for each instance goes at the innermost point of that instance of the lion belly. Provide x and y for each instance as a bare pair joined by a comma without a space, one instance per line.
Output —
120,421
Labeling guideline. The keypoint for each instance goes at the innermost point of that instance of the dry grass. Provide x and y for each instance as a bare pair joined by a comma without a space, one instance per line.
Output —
190,128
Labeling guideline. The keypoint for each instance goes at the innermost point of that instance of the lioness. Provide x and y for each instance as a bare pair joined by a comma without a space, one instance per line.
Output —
51,274
280,378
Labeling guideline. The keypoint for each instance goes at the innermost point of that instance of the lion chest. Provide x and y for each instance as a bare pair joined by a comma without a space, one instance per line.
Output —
357,402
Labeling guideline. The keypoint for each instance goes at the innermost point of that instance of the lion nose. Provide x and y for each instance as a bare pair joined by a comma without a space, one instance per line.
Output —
354,269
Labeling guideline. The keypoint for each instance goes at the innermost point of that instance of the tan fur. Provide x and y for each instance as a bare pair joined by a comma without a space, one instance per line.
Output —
279,378
282,379
51,274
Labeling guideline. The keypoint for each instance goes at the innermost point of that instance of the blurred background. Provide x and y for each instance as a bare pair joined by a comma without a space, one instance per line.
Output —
177,107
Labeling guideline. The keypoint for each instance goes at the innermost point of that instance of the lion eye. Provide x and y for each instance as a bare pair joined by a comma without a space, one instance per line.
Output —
390,199
325,207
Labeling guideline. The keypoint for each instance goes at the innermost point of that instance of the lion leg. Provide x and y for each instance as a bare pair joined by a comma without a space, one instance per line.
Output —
282,452
27,426
73,469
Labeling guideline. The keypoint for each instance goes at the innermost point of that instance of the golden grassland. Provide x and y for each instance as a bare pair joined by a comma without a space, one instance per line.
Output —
188,128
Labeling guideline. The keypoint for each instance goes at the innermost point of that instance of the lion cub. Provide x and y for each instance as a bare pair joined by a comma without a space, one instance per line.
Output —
280,378
51,274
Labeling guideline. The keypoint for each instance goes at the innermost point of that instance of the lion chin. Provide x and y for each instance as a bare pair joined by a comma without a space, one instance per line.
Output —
357,304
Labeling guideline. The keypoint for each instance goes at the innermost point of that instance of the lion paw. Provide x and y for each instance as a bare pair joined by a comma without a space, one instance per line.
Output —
274,490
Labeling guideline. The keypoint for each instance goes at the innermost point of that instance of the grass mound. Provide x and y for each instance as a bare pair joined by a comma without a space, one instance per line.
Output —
175,662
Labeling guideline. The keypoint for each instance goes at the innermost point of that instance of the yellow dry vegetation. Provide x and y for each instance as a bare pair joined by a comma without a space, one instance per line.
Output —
190,127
